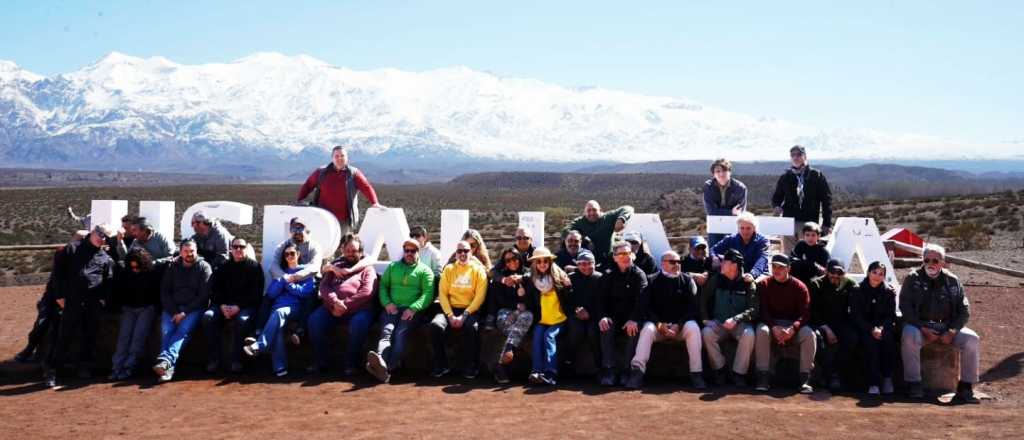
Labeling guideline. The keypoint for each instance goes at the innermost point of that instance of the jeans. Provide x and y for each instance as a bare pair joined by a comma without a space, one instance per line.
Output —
174,336
545,348
742,333
272,337
393,333
131,337
214,322
966,341
689,334
470,354
321,322
298,315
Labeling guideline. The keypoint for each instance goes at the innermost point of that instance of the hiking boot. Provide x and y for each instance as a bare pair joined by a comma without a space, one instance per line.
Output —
964,394
805,383
607,378
915,390
635,380
500,375
887,387
212,366
376,366
764,381
697,380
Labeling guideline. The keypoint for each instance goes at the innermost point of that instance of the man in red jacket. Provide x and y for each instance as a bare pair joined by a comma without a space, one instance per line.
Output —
334,188
785,311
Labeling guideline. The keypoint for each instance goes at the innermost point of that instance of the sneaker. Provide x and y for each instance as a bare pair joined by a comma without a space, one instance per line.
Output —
470,373
835,384
535,378
964,395
739,380
635,380
500,375
506,357
697,380
50,379
887,387
805,383
167,376
549,379
764,381
376,366
249,340
251,348
212,366
236,367
915,390
281,373
161,367
873,390
439,372
607,378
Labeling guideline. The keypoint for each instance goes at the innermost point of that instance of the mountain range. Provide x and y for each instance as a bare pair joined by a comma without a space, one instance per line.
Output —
274,115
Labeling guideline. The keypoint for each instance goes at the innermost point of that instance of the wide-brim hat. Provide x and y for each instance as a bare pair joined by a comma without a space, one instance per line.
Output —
541,252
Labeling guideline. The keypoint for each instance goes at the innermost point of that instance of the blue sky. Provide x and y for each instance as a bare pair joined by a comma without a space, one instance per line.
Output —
944,68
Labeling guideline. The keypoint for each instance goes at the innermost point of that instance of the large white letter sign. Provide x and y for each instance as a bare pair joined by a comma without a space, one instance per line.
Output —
107,212
160,215
383,227
322,225
454,223
234,212
726,224
534,222
859,236
650,226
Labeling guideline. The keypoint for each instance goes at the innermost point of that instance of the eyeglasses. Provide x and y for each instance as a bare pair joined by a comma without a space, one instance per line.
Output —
622,253
462,251
543,261
521,238
410,250
671,261
238,246
932,261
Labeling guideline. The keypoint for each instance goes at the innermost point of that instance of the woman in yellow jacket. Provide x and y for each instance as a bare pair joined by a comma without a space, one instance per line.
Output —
547,288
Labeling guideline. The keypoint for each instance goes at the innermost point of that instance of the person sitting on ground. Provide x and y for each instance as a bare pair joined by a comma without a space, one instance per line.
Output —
461,294
785,312
345,300
748,242
236,291
642,259
571,246
935,310
668,308
213,239
546,288
184,294
84,275
874,314
723,195
809,257
286,298
584,286
512,317
831,298
599,228
697,262
406,289
147,237
429,254
729,308
620,290
137,296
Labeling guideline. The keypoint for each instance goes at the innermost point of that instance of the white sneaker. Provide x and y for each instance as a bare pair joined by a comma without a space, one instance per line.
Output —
873,390
887,387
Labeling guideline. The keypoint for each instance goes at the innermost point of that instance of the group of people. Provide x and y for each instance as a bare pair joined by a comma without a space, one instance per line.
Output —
602,289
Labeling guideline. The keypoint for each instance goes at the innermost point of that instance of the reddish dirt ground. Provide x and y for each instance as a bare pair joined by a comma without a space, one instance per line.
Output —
200,406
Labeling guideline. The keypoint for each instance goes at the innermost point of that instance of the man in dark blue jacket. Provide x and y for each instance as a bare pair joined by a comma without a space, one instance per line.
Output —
751,244
723,195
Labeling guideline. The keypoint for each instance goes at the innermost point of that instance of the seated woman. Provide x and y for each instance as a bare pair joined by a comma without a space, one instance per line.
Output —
513,319
546,288
137,296
874,314
286,299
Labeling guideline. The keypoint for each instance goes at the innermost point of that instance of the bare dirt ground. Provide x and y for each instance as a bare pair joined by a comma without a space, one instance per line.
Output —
253,405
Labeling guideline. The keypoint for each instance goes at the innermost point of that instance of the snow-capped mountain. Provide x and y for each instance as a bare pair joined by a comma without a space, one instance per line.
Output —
154,113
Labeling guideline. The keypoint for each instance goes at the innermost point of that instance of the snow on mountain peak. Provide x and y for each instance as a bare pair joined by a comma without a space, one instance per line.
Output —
11,71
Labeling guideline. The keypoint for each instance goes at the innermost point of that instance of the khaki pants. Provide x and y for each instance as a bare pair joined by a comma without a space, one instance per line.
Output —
804,338
690,334
966,340
742,333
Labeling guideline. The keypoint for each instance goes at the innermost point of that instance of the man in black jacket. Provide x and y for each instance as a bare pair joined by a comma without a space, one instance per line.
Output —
668,308
620,288
586,284
83,274
831,297
235,293
803,194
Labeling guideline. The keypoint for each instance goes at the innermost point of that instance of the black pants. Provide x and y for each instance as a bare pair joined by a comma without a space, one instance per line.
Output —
47,317
881,355
580,332
80,318
831,357
616,355
470,353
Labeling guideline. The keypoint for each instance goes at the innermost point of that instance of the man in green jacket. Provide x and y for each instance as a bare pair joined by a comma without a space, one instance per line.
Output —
729,309
406,288
600,227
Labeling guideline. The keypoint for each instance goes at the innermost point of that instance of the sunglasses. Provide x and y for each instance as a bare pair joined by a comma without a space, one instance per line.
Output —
521,238
290,253
622,253
671,261
462,251
410,250
932,261
134,267
238,246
